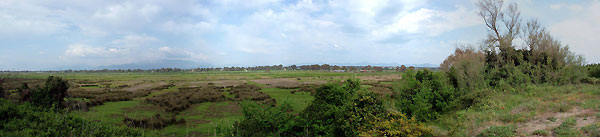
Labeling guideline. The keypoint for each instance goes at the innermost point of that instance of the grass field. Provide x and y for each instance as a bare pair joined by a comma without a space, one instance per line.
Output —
202,119
530,110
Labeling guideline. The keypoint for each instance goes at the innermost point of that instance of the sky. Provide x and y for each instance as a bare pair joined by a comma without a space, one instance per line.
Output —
48,34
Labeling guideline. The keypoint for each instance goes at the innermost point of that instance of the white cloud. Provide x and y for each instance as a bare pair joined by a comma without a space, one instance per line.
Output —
427,22
581,30
82,50
124,12
134,40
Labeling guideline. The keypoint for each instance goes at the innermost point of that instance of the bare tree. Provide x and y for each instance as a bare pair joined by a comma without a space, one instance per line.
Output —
493,14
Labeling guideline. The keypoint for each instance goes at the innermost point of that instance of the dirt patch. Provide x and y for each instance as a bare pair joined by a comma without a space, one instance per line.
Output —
226,83
279,82
548,121
145,86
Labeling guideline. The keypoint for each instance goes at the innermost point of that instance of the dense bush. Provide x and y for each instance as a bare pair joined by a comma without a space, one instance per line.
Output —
465,68
1,92
424,95
29,120
262,120
53,93
593,70
501,64
339,109
155,122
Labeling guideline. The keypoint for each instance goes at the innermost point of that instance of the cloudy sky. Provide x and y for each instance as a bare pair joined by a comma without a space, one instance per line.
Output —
41,34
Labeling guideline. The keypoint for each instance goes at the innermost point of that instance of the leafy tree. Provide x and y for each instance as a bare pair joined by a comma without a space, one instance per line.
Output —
424,95
53,93
263,120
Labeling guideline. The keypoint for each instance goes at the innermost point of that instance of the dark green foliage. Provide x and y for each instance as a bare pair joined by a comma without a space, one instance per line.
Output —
593,70
1,92
155,122
424,95
338,110
28,120
53,93
263,120
24,93
498,131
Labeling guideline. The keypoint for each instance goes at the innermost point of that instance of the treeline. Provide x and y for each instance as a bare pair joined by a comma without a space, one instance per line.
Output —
315,67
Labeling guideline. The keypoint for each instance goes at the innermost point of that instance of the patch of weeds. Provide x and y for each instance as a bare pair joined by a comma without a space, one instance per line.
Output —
498,131
512,118
591,104
541,133
553,119
592,130
566,129
561,107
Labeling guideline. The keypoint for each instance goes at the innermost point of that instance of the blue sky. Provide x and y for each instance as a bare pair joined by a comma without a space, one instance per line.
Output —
38,35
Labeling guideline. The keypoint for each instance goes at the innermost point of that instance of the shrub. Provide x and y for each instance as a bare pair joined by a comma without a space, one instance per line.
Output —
396,125
498,131
1,92
155,122
263,120
465,68
424,95
339,109
53,93
593,70
29,120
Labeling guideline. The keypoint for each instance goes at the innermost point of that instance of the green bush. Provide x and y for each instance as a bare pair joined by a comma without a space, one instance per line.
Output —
339,109
52,94
263,120
425,94
1,92
498,131
593,70
29,120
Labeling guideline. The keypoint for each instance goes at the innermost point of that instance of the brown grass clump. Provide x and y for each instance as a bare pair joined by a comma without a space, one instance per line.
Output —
181,100
306,88
99,97
155,122
248,92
